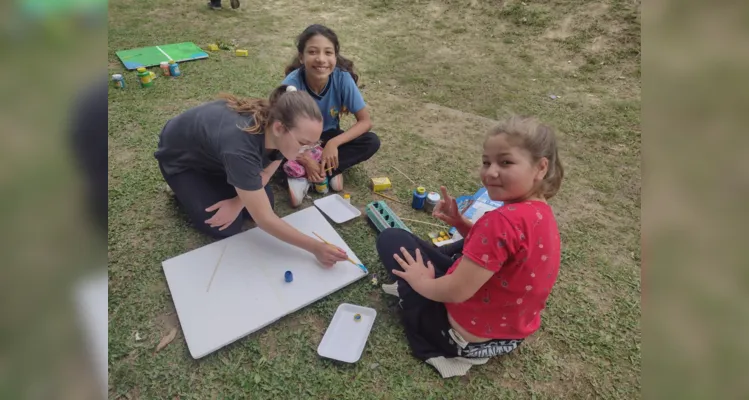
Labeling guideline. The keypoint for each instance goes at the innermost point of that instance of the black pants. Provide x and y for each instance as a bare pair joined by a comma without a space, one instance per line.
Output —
425,321
354,152
197,191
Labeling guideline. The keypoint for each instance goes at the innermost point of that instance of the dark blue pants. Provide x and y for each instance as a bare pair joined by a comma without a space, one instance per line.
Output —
196,191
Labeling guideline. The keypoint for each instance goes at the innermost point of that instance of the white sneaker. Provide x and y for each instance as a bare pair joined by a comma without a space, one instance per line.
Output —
298,188
391,289
336,183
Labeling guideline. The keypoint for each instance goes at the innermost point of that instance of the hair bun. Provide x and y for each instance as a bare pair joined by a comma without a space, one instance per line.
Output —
290,88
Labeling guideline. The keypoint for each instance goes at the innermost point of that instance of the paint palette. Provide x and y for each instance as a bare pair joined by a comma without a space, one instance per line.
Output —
347,334
338,209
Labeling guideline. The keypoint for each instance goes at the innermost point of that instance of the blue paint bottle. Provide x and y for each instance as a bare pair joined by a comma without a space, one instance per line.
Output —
419,197
288,276
174,69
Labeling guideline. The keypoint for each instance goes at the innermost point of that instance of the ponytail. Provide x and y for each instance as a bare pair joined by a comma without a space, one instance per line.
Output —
540,140
554,175
284,104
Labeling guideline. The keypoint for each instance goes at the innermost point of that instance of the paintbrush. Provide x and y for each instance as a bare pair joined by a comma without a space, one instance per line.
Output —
363,268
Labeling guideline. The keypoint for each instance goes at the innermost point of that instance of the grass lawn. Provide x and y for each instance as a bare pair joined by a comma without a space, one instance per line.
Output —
436,74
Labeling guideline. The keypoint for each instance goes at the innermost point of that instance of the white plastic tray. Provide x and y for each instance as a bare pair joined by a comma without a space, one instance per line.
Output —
345,337
335,207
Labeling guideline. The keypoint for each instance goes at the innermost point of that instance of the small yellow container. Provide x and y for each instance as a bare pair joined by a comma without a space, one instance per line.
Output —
242,53
443,234
380,184
212,47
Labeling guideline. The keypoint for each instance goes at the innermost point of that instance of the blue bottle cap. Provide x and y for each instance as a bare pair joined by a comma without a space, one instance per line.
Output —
288,276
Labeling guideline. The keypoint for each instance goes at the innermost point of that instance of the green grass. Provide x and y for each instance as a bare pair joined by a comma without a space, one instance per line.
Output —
474,62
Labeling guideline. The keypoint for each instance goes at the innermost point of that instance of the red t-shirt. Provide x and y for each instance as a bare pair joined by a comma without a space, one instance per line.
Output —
520,244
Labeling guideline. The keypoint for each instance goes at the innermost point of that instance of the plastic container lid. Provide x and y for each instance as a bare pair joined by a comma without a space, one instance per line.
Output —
433,197
346,196
421,190
172,62
163,63
117,76
141,69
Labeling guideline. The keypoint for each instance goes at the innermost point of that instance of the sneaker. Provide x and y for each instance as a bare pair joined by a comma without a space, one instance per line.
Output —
235,4
336,183
391,289
298,188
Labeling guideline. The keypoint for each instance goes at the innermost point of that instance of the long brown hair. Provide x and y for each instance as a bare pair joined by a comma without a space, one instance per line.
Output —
283,106
540,140
311,31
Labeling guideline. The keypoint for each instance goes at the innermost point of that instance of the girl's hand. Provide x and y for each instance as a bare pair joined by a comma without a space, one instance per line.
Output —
413,270
328,254
329,157
314,170
228,211
447,210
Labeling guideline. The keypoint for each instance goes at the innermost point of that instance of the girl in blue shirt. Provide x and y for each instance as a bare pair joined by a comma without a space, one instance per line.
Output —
320,70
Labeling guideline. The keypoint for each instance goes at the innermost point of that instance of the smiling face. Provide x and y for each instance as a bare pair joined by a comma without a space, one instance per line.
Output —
509,172
318,58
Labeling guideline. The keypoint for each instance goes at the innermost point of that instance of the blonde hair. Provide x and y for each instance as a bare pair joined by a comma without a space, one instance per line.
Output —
541,142
284,105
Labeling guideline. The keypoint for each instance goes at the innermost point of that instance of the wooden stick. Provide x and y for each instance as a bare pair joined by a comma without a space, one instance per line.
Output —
216,268
390,198
422,222
412,181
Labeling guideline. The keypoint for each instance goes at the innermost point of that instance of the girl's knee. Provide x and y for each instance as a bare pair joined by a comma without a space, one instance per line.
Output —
231,230
373,142
391,239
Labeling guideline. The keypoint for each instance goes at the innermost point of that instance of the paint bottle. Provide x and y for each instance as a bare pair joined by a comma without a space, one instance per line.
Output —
419,196
174,69
322,187
119,81
145,77
347,198
288,276
432,199
164,68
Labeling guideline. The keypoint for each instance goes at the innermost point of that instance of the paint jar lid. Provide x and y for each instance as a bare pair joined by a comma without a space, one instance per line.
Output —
421,190
117,76
172,62
433,197
141,69
346,196
163,63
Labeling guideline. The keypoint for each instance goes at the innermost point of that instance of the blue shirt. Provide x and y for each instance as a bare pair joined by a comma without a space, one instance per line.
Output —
339,95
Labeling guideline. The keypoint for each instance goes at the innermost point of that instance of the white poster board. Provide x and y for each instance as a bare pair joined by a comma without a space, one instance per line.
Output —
248,291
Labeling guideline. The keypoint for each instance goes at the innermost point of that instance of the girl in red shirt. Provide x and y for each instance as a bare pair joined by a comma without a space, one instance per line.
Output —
483,296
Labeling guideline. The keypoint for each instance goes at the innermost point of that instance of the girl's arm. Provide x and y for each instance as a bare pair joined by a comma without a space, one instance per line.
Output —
269,171
457,287
258,206
363,124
